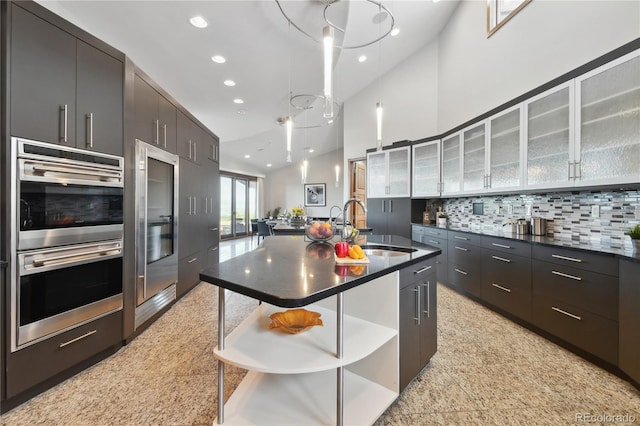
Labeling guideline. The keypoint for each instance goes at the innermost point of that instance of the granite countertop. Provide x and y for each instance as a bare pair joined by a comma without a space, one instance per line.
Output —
291,271
622,251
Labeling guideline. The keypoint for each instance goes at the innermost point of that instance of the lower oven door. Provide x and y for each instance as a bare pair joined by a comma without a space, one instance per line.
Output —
56,289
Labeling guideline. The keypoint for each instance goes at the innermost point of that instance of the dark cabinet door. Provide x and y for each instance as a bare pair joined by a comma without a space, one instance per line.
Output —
146,123
629,322
429,319
399,217
191,208
99,101
43,80
212,203
409,335
184,136
376,216
167,117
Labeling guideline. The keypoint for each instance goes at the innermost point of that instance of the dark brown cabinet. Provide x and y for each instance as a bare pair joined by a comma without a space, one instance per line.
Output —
155,116
464,261
418,319
438,237
63,90
629,319
506,282
193,141
389,216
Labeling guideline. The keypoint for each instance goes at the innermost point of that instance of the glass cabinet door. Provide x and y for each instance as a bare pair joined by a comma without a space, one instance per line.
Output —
376,177
451,164
398,172
548,136
504,150
608,138
426,169
160,203
474,143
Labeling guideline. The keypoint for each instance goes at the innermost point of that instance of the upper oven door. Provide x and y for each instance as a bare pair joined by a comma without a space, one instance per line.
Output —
65,196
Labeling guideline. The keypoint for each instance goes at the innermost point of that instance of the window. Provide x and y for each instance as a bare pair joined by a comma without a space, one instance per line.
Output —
500,11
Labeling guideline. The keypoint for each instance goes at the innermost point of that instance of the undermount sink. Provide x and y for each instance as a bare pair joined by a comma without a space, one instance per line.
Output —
386,251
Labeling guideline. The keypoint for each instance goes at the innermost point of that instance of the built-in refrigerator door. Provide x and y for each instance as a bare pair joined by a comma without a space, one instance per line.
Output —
156,227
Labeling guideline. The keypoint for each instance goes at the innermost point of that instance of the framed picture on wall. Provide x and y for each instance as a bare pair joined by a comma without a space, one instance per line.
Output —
314,194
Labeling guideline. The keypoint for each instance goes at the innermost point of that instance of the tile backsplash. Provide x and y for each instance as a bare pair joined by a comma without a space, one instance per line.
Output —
597,217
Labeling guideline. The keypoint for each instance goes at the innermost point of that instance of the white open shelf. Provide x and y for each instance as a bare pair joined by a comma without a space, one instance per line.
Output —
253,346
305,399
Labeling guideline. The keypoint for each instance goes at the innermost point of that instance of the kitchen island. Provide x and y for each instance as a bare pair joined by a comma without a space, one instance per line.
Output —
346,371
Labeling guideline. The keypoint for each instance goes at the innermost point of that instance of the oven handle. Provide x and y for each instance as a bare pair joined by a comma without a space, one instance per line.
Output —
74,258
80,171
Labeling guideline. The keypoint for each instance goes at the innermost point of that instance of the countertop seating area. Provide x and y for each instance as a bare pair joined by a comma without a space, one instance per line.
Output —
487,370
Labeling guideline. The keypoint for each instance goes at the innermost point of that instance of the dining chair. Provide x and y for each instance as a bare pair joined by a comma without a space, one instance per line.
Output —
264,230
254,228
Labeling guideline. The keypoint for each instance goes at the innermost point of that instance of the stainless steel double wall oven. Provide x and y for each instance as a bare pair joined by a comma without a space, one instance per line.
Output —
66,247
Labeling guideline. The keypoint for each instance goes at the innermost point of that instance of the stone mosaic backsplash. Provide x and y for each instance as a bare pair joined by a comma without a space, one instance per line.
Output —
569,214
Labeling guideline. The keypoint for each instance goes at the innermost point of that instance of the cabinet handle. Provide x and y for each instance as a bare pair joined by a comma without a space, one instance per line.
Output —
484,181
566,313
214,249
428,300
164,131
63,119
502,259
190,149
461,248
206,205
189,197
213,229
384,205
192,260
90,130
577,172
488,181
156,137
508,290
501,245
421,270
462,272
417,317
461,238
62,345
572,259
195,208
195,156
390,206
434,242
569,171
573,277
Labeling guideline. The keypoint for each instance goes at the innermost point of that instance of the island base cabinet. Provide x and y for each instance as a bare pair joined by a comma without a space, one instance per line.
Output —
629,359
577,326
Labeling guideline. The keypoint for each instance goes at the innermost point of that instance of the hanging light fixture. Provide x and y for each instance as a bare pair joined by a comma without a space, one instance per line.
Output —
337,160
327,38
289,126
379,124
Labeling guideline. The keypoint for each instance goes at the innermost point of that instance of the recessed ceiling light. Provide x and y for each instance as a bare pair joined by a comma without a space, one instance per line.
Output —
229,83
242,111
435,1
198,22
269,165
362,58
247,156
218,59
396,31
238,101
330,122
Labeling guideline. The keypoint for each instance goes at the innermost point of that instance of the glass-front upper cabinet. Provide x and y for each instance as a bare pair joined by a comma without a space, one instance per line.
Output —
608,123
505,150
451,164
388,173
474,142
549,135
426,169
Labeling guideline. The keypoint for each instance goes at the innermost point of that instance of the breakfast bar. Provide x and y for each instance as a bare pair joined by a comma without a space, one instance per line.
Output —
329,374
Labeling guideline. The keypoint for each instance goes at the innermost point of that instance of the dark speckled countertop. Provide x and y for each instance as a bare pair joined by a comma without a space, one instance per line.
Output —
622,251
290,271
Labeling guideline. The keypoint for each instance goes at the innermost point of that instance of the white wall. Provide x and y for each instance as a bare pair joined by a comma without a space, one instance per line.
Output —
545,40
284,188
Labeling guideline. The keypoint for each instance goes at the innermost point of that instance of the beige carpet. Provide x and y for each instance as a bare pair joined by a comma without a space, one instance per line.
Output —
487,371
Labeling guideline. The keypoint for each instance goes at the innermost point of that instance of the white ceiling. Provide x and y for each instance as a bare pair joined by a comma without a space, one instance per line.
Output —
264,57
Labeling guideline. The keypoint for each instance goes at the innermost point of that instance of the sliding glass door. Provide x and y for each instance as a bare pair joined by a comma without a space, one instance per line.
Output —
237,202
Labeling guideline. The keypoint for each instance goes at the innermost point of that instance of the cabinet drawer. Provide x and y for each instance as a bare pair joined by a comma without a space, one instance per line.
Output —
594,292
417,272
464,237
41,361
189,272
430,240
435,231
417,232
506,282
507,245
467,279
464,254
596,262
588,331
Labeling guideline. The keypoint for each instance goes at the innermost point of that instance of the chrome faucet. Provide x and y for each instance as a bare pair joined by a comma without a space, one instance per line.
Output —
345,233
331,218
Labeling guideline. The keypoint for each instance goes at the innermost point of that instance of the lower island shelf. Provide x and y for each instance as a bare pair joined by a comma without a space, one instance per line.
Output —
293,379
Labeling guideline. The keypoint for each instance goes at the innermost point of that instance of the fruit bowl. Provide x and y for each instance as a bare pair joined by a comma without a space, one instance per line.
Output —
319,231
294,321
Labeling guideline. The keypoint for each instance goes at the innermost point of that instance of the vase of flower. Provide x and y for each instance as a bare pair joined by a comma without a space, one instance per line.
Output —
297,218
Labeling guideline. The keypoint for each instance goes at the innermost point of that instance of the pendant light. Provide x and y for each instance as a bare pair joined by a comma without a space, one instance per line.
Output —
337,159
379,124
379,103
327,38
289,121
